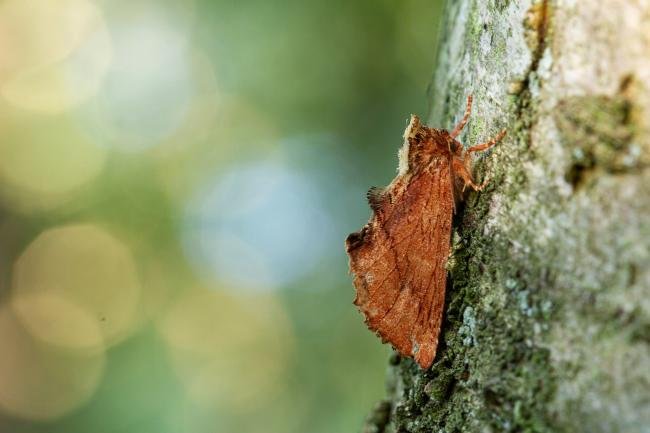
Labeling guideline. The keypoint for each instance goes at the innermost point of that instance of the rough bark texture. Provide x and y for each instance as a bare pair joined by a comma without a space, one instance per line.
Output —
547,324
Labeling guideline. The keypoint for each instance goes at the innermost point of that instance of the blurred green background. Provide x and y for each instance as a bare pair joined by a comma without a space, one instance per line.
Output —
176,182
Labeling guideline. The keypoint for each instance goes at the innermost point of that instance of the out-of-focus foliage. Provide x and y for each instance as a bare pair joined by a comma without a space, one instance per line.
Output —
176,181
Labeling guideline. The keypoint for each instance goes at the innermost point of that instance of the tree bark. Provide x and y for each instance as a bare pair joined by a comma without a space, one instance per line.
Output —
547,321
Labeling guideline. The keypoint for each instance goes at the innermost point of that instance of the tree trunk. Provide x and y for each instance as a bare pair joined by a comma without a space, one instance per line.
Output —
547,321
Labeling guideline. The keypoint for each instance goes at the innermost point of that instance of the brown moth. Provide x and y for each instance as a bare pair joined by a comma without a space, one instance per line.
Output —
398,259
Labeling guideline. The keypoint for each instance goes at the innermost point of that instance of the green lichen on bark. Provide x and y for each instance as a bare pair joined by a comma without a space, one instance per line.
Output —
547,322
600,132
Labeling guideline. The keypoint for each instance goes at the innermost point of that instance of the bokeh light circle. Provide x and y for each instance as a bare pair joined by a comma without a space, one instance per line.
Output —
55,53
44,162
260,227
230,352
59,322
87,266
39,381
148,90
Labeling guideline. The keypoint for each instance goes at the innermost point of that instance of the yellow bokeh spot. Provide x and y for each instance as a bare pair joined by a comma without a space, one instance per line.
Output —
55,53
230,352
59,322
87,266
39,381
44,161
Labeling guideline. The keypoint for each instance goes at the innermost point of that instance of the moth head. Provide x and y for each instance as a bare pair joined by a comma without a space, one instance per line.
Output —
453,145
422,144
442,143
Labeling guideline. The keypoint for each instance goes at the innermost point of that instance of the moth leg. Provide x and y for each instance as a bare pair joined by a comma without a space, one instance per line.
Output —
484,146
464,120
460,168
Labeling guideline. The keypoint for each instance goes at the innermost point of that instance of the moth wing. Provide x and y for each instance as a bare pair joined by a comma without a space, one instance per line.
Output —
398,261
375,196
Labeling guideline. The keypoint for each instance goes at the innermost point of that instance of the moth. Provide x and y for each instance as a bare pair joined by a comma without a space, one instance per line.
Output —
398,259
